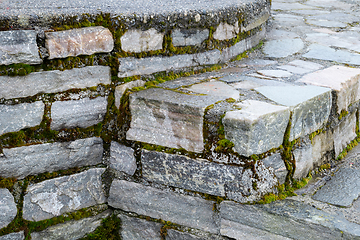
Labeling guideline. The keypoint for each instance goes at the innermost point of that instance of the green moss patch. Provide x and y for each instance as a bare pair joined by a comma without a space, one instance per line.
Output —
109,230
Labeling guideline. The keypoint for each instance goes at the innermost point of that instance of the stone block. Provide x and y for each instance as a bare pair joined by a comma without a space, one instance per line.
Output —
168,118
322,144
344,133
189,211
177,235
8,208
53,81
276,163
122,158
136,40
257,127
189,37
80,41
208,57
78,113
139,66
19,47
138,229
13,236
310,106
216,88
226,31
71,230
16,117
344,81
120,90
23,161
57,196
195,174
303,161
257,21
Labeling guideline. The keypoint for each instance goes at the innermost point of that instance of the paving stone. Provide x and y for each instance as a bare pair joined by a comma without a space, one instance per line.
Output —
246,82
122,158
342,190
176,235
24,115
303,161
343,80
257,127
136,40
310,106
245,85
13,236
317,51
53,81
8,208
138,229
276,34
215,88
226,31
187,81
184,210
19,47
120,90
194,174
57,196
343,40
305,64
327,23
275,162
282,48
80,41
335,16
274,73
189,37
82,113
23,161
344,133
71,230
168,118
293,69
283,6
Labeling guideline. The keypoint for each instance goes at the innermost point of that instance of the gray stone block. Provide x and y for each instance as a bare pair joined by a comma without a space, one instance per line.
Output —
19,47
344,133
8,208
122,158
303,161
276,163
168,118
80,41
216,88
57,196
13,236
257,127
136,40
71,230
120,90
34,159
176,235
310,106
16,117
139,229
78,113
53,81
188,37
195,174
184,210
257,21
322,144
208,57
226,31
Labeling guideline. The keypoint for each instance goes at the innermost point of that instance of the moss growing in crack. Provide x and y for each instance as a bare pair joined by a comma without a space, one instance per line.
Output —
18,69
350,146
342,114
324,167
224,145
109,230
314,134
7,183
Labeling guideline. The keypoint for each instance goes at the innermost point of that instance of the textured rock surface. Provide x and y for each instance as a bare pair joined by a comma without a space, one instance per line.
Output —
276,163
19,47
176,235
185,210
56,196
215,88
257,127
16,117
122,158
8,208
71,230
226,31
168,118
344,133
188,37
322,144
136,40
31,160
120,90
81,41
53,81
138,229
303,161
78,113
13,236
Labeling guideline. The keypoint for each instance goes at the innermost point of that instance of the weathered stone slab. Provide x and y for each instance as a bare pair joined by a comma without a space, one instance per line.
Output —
189,37
168,118
257,127
282,47
81,41
19,47
176,235
57,196
122,158
322,144
78,113
257,21
208,57
120,90
31,160
310,106
306,64
303,161
8,208
138,229
53,81
344,133
16,117
136,40
275,73
226,31
216,88
195,174
275,162
184,210
71,230
343,80
294,70
13,236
